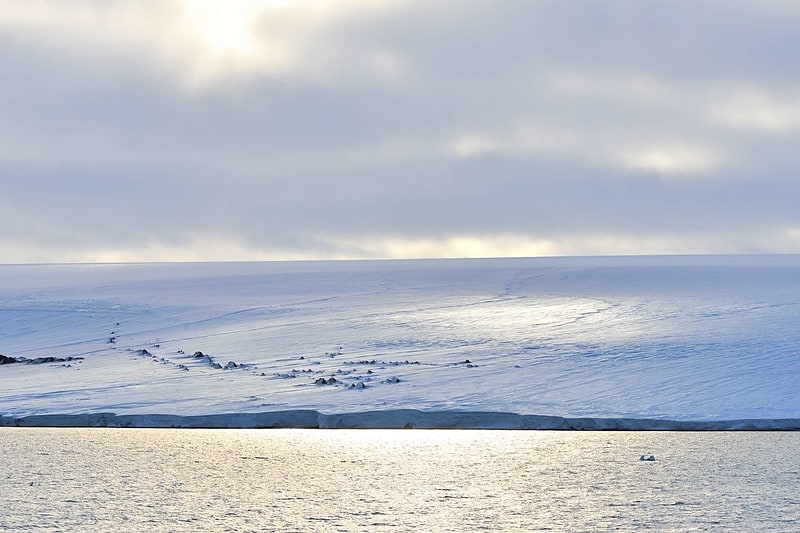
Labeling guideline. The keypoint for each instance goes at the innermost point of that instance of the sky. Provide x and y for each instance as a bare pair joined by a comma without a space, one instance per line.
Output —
257,130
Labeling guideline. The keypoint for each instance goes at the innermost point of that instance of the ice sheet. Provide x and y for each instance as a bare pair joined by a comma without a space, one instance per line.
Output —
671,338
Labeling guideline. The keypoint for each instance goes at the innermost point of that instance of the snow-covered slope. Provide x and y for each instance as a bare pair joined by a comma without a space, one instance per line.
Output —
682,338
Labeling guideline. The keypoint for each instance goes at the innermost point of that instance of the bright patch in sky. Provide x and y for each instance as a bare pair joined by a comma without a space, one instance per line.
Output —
754,109
671,159
225,26
237,38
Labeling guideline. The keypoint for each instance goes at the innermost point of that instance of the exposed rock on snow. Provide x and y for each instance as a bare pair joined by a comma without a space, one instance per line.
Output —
5,360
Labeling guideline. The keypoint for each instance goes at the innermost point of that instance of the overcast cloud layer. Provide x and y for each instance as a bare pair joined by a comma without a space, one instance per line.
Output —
287,129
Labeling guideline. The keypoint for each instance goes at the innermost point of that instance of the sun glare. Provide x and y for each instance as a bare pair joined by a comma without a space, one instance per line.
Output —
225,26
225,37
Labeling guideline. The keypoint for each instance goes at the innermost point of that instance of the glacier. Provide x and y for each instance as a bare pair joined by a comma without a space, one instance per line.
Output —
659,342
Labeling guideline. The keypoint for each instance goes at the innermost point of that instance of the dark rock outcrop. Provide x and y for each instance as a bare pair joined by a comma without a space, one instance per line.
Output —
7,360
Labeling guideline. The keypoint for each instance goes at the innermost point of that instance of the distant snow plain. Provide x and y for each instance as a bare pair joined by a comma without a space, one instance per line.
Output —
666,342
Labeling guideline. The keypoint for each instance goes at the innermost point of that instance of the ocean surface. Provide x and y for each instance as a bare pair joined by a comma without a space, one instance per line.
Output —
92,479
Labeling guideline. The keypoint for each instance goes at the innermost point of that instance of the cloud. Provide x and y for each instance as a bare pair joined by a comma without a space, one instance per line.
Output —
201,43
630,88
290,129
521,140
753,109
670,159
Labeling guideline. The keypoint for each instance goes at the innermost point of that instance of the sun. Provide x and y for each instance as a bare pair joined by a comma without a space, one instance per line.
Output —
220,38
227,27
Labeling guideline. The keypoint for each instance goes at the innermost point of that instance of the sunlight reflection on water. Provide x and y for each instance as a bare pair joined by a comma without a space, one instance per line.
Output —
343,480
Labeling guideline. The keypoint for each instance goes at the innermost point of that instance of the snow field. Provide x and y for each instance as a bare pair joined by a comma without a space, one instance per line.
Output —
703,339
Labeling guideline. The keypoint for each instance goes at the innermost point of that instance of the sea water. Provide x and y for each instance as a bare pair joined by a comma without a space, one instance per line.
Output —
396,480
